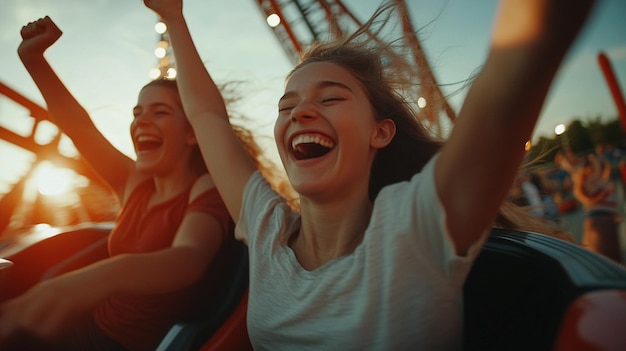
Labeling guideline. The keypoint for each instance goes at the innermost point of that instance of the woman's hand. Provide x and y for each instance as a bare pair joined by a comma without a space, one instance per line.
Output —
46,310
37,36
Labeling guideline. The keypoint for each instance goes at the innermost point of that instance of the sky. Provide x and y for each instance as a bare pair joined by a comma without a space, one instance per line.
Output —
106,52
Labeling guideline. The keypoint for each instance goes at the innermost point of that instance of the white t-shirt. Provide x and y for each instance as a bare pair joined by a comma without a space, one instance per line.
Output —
401,289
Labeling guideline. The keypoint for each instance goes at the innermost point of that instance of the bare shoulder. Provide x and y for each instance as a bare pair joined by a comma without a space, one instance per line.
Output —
201,185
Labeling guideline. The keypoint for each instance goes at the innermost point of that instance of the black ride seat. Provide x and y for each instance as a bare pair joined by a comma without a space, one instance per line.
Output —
192,335
522,285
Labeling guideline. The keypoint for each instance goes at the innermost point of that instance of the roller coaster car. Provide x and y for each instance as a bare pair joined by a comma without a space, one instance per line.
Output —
526,291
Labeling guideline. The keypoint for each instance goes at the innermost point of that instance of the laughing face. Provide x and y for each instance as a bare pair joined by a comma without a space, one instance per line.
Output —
326,132
162,137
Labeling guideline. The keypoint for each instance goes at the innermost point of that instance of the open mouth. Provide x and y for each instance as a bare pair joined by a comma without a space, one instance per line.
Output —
147,143
308,146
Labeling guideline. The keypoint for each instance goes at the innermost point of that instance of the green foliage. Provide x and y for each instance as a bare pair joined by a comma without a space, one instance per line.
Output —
580,138
606,133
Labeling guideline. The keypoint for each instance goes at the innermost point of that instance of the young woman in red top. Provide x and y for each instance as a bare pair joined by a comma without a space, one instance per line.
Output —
172,243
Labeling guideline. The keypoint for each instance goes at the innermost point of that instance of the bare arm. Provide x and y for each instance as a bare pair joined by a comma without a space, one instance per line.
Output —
481,158
607,169
65,111
228,161
49,306
579,179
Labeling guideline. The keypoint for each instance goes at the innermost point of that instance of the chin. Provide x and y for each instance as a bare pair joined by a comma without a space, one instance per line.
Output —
308,187
145,167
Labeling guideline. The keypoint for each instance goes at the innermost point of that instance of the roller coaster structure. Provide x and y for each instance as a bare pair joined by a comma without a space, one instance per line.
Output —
299,23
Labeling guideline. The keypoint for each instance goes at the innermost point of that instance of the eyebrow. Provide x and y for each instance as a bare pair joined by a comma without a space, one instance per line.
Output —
319,85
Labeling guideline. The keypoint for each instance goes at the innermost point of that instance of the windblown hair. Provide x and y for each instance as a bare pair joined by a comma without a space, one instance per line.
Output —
382,70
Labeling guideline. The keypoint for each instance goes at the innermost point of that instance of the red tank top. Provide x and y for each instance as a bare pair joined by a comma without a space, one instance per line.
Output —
140,322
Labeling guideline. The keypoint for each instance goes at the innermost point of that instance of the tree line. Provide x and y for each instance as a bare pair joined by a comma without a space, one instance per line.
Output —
580,137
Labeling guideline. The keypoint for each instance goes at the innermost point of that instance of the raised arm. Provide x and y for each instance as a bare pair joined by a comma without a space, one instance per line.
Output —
65,111
481,158
228,161
582,195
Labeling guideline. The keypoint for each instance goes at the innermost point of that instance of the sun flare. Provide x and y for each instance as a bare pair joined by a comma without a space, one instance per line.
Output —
52,180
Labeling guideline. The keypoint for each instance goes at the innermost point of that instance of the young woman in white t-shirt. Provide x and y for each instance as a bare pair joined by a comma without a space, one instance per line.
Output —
389,219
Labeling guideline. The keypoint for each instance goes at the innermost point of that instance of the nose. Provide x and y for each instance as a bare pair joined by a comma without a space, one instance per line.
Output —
304,110
140,118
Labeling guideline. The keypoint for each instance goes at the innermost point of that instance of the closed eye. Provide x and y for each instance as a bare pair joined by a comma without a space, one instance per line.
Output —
285,109
331,99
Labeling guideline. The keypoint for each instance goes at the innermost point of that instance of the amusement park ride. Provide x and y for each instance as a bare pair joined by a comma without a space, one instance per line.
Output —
526,290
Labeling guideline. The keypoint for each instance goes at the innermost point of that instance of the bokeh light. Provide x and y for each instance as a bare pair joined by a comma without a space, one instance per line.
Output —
273,20
421,102
160,27
559,129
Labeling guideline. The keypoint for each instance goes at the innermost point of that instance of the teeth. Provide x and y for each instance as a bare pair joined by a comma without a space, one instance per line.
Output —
144,138
311,138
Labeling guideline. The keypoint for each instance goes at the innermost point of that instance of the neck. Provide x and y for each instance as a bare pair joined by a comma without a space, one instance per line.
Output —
330,231
166,187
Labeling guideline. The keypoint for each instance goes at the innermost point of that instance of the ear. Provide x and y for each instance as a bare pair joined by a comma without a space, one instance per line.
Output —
384,133
191,138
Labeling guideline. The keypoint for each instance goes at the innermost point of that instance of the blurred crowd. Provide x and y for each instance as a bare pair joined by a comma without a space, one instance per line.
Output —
591,182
